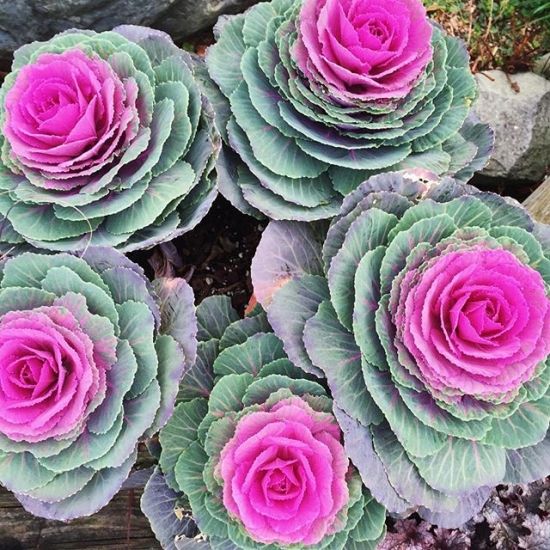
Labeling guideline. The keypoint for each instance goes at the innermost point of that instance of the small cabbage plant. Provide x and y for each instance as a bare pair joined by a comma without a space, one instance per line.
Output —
90,359
254,451
427,308
106,139
317,95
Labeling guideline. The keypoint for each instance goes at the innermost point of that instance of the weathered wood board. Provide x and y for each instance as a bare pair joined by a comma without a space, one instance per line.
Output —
118,526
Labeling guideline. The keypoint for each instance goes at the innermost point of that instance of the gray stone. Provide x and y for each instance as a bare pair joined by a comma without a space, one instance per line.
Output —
542,66
520,116
23,21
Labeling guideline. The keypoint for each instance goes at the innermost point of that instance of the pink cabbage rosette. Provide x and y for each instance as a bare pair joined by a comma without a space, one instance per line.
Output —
427,308
318,95
255,450
364,50
88,367
106,139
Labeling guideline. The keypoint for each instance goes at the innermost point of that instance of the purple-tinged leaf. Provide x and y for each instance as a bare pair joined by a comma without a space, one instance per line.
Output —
291,307
96,494
359,447
333,349
286,250
167,518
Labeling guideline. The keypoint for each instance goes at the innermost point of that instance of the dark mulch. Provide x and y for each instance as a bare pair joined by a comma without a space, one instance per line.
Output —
214,257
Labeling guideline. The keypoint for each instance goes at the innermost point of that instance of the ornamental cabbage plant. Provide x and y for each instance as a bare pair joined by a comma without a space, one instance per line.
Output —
317,95
255,452
90,358
426,305
106,139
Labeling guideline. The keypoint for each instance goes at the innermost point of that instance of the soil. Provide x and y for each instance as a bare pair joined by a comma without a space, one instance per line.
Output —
214,257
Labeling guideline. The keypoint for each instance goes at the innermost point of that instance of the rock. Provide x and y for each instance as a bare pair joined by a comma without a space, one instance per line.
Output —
518,110
187,17
542,66
23,21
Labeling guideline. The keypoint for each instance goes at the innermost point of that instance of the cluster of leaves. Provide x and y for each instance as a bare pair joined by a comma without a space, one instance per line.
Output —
149,176
93,326
506,34
299,146
241,368
515,517
337,306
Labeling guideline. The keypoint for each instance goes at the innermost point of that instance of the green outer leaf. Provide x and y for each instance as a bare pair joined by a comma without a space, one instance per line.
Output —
89,446
62,280
271,147
357,159
275,207
28,270
463,466
506,211
526,427
127,284
284,367
431,230
137,327
96,494
139,414
403,474
171,365
36,475
301,191
466,509
387,192
120,378
372,524
528,464
417,438
63,485
261,390
224,56
333,349
189,475
178,434
249,356
227,394
20,299
367,300
255,23
214,315
239,331
359,447
163,189
198,380
159,503
228,170
180,130
219,433
426,410
39,223
367,232
264,98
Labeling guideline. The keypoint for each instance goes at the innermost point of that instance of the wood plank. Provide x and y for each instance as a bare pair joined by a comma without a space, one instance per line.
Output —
119,526
538,202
